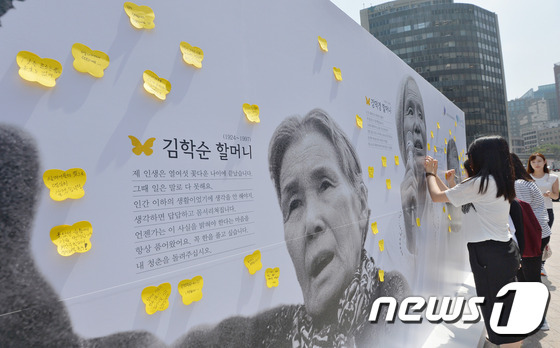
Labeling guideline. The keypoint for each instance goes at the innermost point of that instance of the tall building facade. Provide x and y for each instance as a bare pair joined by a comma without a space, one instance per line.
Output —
534,109
557,83
456,47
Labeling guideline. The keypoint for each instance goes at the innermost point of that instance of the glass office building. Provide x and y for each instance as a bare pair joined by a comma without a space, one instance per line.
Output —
456,47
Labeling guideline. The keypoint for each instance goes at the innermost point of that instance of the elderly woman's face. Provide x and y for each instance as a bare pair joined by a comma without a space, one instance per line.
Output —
322,218
414,122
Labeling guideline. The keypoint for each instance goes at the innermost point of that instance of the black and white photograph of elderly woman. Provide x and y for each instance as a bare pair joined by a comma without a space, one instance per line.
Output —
324,203
412,138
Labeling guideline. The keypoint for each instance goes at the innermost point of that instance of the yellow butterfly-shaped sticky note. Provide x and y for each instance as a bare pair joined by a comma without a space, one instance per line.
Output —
381,275
359,122
455,123
89,61
444,208
435,148
65,184
33,68
141,17
138,148
381,245
418,222
192,55
396,160
432,134
428,146
374,228
337,73
445,150
449,217
445,141
455,139
449,228
370,172
156,85
462,167
384,161
156,298
191,290
322,44
368,101
72,239
272,275
437,125
388,183
251,113
253,262
450,132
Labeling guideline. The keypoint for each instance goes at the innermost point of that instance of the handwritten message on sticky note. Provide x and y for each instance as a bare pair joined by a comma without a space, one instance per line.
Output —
191,55
322,44
374,228
384,161
141,17
272,275
337,73
89,61
381,275
253,262
156,298
65,184
251,113
396,160
370,172
33,68
191,290
359,122
138,147
381,245
388,184
156,85
418,222
72,239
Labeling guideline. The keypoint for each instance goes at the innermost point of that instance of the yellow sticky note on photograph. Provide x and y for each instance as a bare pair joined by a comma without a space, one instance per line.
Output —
444,208
450,132
89,61
449,217
337,74
191,55
156,85
72,239
445,150
141,17
388,183
396,160
65,184
253,262
370,172
428,146
272,275
432,134
359,122
435,148
191,290
445,141
374,229
156,298
251,113
33,68
381,245
449,228
418,222
384,161
322,44
381,275
455,123
454,138
437,125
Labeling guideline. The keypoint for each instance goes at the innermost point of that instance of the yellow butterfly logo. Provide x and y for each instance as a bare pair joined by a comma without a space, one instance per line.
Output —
139,148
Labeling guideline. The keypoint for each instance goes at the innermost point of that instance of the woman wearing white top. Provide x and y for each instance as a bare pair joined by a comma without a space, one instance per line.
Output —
548,184
494,257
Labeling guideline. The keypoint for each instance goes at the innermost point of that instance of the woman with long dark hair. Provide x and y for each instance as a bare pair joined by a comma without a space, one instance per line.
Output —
548,184
493,255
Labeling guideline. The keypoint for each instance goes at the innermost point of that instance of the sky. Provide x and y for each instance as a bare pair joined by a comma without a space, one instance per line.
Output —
530,35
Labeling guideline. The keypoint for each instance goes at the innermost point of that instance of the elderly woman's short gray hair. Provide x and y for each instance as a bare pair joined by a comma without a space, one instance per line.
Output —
295,128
